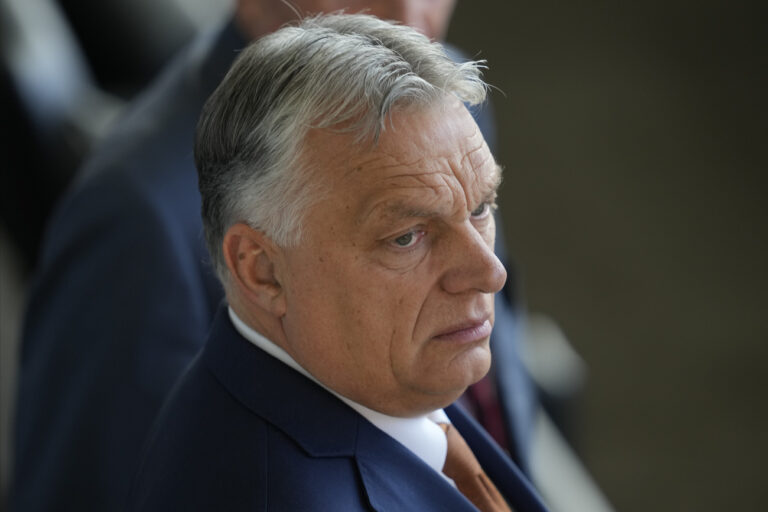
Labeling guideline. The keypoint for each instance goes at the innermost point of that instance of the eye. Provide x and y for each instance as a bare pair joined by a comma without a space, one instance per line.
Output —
481,211
408,239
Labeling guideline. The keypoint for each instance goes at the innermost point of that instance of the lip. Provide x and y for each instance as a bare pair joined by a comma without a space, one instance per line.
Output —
466,332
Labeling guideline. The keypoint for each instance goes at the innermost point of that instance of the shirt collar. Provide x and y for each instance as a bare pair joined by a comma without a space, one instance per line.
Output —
421,435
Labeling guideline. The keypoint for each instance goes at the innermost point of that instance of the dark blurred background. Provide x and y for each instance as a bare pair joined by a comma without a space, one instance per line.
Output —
632,135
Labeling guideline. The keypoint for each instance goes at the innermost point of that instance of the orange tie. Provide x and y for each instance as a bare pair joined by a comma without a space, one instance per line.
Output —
462,467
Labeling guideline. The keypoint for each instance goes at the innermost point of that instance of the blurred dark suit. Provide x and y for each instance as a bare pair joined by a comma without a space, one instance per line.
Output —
124,297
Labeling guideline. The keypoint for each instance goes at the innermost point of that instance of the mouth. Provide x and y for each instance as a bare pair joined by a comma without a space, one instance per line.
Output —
466,332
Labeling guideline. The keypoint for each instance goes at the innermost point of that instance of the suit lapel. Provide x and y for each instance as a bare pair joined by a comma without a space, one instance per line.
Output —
395,479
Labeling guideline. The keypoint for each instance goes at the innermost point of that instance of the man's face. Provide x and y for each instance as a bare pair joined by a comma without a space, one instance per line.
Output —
431,17
390,292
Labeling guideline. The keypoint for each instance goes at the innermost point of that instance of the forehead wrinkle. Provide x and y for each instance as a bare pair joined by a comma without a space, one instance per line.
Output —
367,164
422,177
409,205
478,177
375,157
476,156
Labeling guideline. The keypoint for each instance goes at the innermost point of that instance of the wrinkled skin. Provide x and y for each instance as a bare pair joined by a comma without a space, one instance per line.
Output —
388,298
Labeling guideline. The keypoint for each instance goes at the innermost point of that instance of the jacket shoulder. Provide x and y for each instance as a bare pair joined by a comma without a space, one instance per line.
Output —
209,452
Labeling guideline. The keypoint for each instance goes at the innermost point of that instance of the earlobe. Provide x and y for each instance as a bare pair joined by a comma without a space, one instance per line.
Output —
249,255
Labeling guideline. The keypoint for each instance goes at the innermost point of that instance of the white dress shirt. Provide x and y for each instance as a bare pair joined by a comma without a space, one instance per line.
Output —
421,435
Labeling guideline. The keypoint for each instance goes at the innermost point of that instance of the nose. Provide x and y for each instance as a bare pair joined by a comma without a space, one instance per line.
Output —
473,264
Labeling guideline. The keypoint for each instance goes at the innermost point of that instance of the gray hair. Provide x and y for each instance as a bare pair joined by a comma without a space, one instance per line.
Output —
341,72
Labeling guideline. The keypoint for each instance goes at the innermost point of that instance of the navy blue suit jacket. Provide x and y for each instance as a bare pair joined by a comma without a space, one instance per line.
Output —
243,431
124,298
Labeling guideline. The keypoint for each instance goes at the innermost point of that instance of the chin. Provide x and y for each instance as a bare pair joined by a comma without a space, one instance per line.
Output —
459,378
477,364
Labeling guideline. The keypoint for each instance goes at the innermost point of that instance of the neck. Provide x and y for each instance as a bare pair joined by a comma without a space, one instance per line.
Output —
260,321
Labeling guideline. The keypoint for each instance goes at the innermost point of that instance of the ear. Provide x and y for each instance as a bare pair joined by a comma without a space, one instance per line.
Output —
250,255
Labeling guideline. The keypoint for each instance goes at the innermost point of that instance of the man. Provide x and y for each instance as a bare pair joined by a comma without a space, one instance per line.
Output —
351,226
124,261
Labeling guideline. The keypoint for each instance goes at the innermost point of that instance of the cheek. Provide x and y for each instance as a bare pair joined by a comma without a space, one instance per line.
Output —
312,297
387,311
355,302
416,321
389,321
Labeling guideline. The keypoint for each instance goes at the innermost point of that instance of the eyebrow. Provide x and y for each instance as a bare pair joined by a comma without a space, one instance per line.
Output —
405,209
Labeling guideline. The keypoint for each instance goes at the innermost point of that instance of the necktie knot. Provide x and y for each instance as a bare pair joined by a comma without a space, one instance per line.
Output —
462,467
